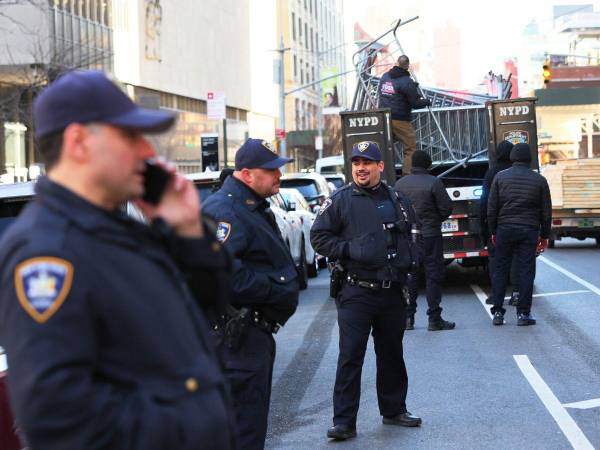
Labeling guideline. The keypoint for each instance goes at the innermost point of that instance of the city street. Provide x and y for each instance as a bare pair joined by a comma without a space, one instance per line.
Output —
477,387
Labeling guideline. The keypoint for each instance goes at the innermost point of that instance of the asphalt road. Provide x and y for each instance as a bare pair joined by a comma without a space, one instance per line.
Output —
476,387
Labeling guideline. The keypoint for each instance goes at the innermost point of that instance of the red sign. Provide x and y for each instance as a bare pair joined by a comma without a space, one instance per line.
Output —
279,133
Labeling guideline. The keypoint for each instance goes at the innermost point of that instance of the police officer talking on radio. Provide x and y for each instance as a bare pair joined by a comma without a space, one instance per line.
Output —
264,283
366,227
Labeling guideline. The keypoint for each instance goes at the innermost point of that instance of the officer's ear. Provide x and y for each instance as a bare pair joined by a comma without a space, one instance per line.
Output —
74,142
380,166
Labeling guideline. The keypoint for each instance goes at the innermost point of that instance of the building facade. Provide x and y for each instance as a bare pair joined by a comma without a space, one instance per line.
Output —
313,31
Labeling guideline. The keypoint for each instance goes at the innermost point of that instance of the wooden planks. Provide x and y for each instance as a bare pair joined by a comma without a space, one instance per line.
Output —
574,183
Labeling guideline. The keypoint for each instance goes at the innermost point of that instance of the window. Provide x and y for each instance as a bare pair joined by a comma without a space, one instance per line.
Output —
301,72
306,35
295,68
307,74
312,69
294,26
299,27
312,42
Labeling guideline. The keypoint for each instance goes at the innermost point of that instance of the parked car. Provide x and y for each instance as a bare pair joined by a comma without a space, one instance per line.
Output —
312,186
291,232
337,179
298,206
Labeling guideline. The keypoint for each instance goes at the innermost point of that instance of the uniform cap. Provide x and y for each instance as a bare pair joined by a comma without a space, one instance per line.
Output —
89,96
258,154
366,149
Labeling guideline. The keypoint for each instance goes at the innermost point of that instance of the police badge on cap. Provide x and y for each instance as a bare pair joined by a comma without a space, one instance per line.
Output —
367,150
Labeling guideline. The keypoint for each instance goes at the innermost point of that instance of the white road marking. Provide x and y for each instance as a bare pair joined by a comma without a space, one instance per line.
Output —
482,298
571,275
560,415
585,404
549,294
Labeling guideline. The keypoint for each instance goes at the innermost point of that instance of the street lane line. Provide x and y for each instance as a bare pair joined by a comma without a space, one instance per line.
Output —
571,275
585,404
549,294
560,415
482,298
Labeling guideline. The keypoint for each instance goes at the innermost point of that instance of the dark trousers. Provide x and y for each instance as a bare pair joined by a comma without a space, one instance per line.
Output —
514,269
249,372
432,254
519,241
361,310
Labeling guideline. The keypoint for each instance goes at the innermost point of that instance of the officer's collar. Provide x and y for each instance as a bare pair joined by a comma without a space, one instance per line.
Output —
521,163
419,171
246,194
76,209
359,190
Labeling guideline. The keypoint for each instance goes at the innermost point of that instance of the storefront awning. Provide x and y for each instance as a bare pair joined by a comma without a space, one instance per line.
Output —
568,96
301,138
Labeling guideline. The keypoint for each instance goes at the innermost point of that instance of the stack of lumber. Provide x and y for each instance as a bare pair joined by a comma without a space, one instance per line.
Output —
574,183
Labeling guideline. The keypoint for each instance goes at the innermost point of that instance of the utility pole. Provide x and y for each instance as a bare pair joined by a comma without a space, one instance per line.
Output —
281,50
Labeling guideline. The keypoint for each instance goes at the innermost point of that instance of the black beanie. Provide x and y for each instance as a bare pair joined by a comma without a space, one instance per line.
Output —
521,153
421,159
503,151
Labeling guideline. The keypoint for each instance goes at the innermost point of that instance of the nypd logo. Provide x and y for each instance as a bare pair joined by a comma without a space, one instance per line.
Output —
387,88
363,146
223,231
268,146
42,285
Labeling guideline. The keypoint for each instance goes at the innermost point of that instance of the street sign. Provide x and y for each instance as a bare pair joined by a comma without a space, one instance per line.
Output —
318,142
215,105
279,133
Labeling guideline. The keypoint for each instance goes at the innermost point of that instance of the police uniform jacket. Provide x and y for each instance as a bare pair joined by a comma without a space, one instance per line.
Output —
264,275
348,229
107,346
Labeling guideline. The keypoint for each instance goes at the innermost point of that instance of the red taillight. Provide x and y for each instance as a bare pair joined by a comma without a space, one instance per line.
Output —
557,222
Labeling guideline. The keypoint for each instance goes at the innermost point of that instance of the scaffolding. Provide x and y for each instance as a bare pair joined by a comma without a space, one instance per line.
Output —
454,128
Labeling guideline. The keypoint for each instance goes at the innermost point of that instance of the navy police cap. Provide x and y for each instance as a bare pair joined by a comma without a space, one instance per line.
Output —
258,154
367,150
89,96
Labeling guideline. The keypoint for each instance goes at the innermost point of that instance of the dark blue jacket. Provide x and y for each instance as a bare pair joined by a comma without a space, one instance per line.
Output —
264,274
398,91
348,229
107,346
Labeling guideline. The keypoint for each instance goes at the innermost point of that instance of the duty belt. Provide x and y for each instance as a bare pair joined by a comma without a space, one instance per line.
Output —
256,319
370,284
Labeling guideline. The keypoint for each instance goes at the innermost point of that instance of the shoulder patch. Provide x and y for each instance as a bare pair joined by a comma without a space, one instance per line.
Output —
223,231
42,285
326,204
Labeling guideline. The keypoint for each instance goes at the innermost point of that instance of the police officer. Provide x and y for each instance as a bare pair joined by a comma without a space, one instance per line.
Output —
367,228
264,283
433,205
519,218
399,92
107,345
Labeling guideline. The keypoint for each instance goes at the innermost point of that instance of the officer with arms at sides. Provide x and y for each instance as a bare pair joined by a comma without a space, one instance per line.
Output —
366,227
398,91
519,218
108,346
433,205
264,283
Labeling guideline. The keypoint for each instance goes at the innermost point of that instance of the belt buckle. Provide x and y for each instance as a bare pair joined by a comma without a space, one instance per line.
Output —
386,284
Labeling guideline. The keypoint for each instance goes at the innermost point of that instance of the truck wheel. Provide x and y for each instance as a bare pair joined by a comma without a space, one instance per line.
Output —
303,279
313,268
551,243
598,242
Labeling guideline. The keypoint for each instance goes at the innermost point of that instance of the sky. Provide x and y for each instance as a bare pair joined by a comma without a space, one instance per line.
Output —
489,31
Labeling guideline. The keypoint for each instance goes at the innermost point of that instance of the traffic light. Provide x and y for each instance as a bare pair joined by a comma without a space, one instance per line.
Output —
547,73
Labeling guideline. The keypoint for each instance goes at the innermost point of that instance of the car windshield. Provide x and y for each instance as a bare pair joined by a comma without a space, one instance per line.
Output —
300,201
337,182
308,188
